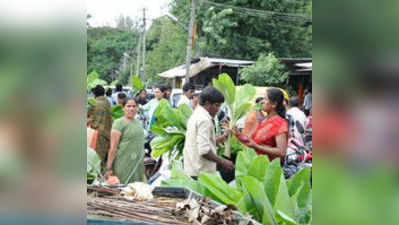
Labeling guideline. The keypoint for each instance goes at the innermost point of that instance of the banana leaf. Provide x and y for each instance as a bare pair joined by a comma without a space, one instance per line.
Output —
93,168
170,127
136,83
117,111
225,84
218,189
282,218
272,181
236,101
93,79
300,178
243,162
161,144
258,168
179,179
303,200
264,211
283,201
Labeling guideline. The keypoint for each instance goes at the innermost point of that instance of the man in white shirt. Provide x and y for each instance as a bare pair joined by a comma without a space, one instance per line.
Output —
188,92
307,103
199,152
297,116
118,89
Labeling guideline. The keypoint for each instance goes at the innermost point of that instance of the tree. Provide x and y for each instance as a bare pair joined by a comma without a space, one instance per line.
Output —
105,48
166,43
266,71
245,33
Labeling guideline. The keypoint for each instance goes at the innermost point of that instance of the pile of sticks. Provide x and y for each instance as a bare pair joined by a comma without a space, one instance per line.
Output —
160,210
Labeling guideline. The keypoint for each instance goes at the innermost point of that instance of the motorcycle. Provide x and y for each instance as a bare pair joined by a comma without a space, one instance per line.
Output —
299,150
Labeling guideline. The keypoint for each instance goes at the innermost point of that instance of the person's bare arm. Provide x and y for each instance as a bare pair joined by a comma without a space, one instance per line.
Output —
279,151
115,138
204,147
218,160
221,139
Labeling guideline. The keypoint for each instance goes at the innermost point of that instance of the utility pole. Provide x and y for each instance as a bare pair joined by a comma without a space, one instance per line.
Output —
190,41
138,50
144,34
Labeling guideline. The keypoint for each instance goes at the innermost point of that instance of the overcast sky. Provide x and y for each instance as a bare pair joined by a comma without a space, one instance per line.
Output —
105,12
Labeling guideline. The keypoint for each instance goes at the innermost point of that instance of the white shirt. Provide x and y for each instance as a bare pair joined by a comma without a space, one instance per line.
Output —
115,97
200,140
297,115
307,103
184,100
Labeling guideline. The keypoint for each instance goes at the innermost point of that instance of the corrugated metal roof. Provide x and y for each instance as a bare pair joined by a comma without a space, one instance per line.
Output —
306,65
203,64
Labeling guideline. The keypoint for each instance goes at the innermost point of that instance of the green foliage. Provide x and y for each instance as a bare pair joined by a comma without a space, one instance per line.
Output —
114,83
93,79
166,48
236,101
180,179
117,111
137,85
227,32
266,71
105,48
261,190
170,128
93,169
218,189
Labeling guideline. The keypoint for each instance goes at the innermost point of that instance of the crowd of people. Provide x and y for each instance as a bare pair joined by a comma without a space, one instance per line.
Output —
120,143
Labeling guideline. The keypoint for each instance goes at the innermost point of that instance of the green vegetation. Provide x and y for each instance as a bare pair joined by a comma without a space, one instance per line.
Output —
261,190
222,31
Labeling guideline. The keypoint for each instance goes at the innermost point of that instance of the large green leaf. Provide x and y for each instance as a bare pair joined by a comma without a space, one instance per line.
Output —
225,84
167,116
160,145
93,164
258,168
93,79
240,112
282,218
264,210
180,179
243,162
170,127
117,111
303,200
299,179
136,83
283,201
219,189
272,182
185,111
244,95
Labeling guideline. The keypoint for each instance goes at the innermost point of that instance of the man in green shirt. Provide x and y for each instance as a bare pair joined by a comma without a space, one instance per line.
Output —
100,119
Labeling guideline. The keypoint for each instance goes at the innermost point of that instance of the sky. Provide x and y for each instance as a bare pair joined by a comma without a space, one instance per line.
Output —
105,12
